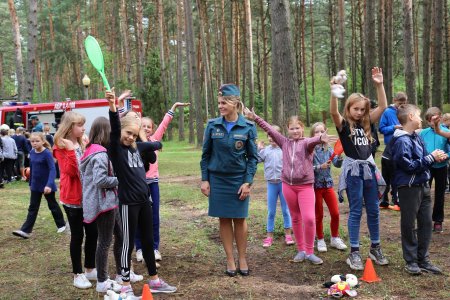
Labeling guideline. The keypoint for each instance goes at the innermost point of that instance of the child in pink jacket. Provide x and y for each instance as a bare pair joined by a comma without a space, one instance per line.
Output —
152,175
297,176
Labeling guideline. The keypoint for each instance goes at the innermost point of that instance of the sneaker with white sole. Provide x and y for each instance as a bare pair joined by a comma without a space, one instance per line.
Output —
354,260
336,242
108,284
158,256
160,286
61,229
91,275
377,256
301,255
133,278
127,292
139,256
315,260
321,246
21,234
80,281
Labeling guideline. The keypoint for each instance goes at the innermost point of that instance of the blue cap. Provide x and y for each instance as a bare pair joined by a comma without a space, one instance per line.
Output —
229,90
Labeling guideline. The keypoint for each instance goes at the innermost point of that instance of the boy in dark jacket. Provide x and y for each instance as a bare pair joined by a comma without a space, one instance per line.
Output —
411,176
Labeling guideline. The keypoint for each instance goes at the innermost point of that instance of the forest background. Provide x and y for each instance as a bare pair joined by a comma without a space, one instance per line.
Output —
281,53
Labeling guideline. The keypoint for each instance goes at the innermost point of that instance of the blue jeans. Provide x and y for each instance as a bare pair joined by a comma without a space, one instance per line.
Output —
357,189
274,190
154,192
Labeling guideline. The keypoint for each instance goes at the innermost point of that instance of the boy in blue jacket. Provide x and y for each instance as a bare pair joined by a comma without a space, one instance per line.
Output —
411,176
388,124
438,170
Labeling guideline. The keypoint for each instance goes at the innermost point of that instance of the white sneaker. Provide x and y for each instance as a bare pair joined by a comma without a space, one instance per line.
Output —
139,256
158,255
321,246
61,229
80,281
127,293
21,234
108,284
133,278
91,275
336,242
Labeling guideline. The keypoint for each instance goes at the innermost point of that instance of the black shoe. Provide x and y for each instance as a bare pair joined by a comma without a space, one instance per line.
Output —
413,269
437,227
384,204
429,268
244,272
231,273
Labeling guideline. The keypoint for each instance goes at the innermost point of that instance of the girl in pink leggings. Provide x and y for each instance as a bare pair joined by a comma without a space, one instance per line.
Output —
297,176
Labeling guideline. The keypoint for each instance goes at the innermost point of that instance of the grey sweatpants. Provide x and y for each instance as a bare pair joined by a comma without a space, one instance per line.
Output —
108,223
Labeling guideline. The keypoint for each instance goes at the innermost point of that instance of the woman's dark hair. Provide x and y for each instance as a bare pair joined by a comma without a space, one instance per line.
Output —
99,133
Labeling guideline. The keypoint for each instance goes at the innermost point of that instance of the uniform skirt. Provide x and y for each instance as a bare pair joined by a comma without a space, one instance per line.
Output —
223,197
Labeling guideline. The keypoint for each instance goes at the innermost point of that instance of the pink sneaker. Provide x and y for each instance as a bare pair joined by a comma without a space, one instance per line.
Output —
267,242
288,240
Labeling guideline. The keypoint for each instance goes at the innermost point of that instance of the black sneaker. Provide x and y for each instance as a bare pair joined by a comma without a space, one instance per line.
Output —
413,269
377,256
384,204
429,268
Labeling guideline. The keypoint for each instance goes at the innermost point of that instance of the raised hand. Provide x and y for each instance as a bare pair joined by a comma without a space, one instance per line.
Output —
111,96
125,94
249,114
177,104
377,75
325,138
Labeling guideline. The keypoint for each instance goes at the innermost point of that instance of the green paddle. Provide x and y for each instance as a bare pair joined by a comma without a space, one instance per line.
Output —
94,52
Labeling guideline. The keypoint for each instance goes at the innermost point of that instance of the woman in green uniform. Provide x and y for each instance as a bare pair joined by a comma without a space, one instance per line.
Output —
228,165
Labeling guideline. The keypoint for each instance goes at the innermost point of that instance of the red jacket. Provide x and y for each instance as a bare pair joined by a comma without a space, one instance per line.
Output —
297,155
70,191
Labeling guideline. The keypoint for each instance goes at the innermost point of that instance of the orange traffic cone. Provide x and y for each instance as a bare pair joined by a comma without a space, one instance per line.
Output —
146,294
369,272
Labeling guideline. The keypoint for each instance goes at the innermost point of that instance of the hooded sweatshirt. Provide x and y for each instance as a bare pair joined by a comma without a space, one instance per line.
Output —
99,184
297,155
387,123
411,159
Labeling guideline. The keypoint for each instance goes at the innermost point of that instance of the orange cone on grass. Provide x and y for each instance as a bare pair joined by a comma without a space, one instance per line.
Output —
369,273
146,294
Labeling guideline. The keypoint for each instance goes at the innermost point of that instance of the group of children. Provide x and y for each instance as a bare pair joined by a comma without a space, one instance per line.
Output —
107,188
302,166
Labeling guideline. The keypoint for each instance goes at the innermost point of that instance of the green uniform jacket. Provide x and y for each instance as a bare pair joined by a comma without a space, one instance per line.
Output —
233,153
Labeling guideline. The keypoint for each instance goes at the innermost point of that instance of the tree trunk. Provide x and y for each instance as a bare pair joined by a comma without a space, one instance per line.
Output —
263,14
162,57
381,32
180,40
331,24
364,67
353,48
2,85
311,19
370,45
341,6
125,41
388,71
305,82
56,67
32,47
284,75
17,49
140,44
410,69
248,21
81,50
236,44
194,72
447,49
438,62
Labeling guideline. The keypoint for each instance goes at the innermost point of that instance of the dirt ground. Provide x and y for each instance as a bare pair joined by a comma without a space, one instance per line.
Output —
275,276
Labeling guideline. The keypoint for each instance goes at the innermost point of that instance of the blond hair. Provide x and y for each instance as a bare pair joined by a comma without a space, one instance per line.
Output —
314,126
403,112
365,120
446,117
68,121
130,120
235,100
41,135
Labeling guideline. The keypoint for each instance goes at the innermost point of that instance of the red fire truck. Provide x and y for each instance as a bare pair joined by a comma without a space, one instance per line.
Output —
15,114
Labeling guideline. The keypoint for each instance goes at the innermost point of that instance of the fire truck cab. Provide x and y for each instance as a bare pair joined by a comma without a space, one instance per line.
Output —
15,113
